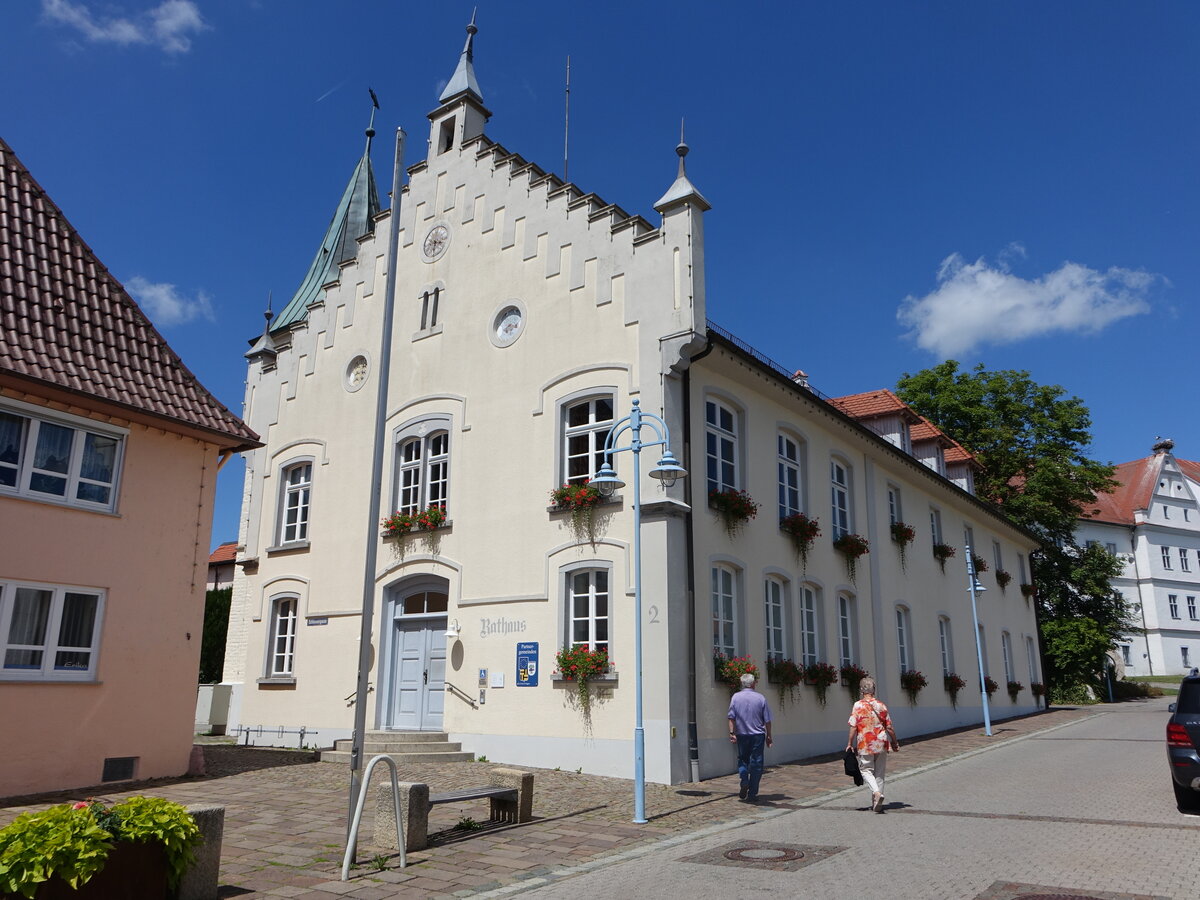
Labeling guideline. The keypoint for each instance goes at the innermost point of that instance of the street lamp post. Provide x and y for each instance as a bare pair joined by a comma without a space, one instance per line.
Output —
606,481
974,587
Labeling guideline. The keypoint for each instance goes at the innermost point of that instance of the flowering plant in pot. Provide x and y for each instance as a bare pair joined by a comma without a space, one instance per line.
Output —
730,669
803,531
953,684
1028,590
852,676
578,663
989,685
735,508
399,523
903,534
979,563
1037,689
820,675
942,552
784,674
1014,688
1002,579
581,498
912,682
73,843
851,546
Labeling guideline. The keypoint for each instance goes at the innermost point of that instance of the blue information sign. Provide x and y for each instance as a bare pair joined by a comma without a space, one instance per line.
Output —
527,664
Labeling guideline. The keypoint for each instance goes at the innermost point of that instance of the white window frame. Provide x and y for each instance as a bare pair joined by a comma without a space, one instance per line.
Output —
946,645
1031,652
1173,605
596,618
595,430
775,617
722,452
1166,558
422,480
1006,652
998,556
1126,657
895,507
1021,568
904,638
22,472
809,613
1191,607
790,469
987,669
840,503
295,496
847,651
1185,657
1184,565
280,659
53,641
935,525
725,599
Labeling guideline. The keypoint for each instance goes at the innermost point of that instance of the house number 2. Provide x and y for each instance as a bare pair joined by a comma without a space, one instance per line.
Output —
653,613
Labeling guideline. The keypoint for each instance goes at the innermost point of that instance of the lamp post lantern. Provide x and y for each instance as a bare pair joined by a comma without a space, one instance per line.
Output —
974,587
606,481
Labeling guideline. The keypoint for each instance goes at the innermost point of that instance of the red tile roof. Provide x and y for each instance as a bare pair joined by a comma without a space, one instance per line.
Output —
226,553
871,404
67,323
1135,489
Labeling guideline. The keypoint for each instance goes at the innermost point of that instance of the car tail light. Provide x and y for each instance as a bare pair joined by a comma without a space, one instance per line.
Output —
1177,735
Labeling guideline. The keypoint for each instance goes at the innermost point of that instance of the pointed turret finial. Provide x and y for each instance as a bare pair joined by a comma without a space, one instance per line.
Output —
682,189
370,132
268,314
463,79
264,347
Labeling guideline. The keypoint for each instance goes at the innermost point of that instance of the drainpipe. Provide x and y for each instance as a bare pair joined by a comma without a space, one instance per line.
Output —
689,531
1141,605
381,400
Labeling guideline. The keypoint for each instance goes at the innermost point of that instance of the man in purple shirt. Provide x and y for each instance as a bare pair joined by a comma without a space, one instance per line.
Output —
750,729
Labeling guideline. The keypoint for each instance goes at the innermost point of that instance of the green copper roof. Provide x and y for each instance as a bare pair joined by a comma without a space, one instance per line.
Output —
354,217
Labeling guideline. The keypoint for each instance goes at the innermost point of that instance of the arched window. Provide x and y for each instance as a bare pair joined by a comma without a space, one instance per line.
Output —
847,652
774,613
423,479
725,610
295,502
791,476
947,646
586,424
281,652
721,446
1006,650
904,638
839,475
589,609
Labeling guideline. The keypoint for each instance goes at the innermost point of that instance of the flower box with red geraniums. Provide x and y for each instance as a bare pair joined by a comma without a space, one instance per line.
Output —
942,552
989,685
399,523
803,531
903,534
581,499
579,663
912,682
820,675
731,669
851,546
785,674
979,563
852,677
735,508
1014,688
1002,579
953,684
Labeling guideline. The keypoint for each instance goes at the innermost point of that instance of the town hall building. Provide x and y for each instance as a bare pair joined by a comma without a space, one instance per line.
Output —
529,316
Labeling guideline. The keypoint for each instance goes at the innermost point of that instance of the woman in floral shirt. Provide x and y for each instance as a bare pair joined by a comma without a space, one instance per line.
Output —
870,734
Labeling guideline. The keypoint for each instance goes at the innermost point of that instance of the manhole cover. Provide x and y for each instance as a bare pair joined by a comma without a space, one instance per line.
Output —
763,855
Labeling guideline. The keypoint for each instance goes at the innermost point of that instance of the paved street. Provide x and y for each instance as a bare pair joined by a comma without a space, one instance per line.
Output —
1084,807
1070,798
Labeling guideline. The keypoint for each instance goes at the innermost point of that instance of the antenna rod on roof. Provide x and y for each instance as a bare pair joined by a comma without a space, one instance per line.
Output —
567,120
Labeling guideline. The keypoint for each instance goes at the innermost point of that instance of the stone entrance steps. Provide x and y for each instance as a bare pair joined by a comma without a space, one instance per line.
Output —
402,747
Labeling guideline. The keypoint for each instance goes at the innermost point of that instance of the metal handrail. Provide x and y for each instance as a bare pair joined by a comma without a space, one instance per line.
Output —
459,692
352,840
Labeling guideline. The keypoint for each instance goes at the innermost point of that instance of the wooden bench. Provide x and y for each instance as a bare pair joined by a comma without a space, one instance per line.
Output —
510,795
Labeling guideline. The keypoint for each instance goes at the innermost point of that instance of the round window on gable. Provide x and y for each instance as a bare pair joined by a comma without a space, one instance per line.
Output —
356,373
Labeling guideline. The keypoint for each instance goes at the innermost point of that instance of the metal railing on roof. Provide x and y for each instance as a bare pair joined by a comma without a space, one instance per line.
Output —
761,357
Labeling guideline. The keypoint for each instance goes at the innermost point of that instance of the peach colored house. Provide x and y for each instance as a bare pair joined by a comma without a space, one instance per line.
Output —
107,442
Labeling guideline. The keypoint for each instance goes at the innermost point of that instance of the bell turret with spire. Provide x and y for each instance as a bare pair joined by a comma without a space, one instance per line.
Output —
682,191
461,114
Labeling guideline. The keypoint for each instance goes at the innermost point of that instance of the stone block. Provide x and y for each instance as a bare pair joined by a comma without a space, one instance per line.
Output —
414,814
200,882
506,810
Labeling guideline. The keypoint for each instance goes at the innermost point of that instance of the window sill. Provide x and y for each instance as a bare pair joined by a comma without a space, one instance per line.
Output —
278,681
10,678
426,333
291,547
609,679
616,500
419,532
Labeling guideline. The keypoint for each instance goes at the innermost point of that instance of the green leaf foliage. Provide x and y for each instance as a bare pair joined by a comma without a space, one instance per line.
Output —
72,841
212,643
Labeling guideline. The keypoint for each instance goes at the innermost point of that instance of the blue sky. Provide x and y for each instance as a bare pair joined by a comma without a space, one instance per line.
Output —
1012,184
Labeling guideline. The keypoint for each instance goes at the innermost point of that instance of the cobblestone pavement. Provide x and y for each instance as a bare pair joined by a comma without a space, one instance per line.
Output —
286,816
1082,810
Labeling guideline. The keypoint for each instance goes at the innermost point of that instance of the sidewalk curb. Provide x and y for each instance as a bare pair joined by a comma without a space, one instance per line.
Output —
566,872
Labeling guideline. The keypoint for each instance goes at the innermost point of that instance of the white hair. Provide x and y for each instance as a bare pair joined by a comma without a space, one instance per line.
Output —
748,680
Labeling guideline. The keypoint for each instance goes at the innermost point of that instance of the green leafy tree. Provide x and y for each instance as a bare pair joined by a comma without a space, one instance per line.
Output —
212,642
1032,441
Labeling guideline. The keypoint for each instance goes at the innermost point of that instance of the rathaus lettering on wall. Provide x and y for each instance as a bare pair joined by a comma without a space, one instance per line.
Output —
500,626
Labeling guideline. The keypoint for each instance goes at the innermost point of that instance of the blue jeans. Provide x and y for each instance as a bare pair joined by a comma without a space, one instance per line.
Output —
750,761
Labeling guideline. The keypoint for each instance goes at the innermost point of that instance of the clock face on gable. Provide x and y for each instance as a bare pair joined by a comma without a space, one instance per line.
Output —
435,243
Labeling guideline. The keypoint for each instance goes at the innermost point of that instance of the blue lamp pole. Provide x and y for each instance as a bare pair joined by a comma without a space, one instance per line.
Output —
606,480
974,587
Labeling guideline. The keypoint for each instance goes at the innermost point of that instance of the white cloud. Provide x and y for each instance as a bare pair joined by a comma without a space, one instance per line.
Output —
166,306
168,26
979,303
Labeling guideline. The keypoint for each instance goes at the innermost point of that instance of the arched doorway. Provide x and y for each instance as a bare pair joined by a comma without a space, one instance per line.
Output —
415,667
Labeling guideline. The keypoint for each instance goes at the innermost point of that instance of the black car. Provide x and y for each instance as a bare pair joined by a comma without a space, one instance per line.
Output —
1183,739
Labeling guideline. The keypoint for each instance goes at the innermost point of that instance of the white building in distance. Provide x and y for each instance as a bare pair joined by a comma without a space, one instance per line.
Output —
530,315
1151,521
